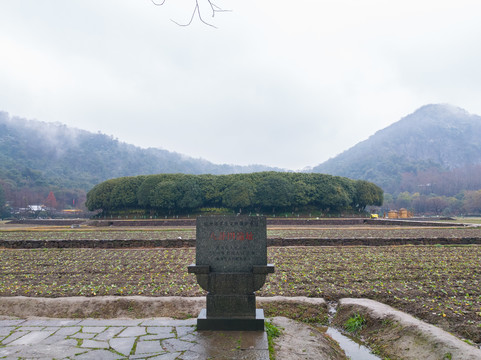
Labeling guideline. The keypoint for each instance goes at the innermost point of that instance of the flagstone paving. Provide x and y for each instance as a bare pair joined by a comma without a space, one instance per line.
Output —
158,338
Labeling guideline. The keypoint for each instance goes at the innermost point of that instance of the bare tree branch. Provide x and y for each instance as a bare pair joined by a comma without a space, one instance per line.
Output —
162,3
213,7
196,10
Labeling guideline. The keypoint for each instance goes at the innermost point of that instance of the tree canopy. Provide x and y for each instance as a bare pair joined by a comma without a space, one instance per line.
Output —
3,204
264,191
2,198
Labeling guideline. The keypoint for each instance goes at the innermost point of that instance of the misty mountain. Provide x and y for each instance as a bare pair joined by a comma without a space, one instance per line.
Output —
433,145
36,154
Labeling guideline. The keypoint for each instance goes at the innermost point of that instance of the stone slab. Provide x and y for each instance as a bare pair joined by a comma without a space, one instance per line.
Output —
98,355
109,333
231,324
132,331
10,322
6,330
243,345
93,329
225,306
81,335
231,243
32,337
166,331
122,345
148,347
168,322
95,344
50,322
109,322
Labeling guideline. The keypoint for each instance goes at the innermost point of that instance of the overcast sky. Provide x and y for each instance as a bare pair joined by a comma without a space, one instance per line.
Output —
280,83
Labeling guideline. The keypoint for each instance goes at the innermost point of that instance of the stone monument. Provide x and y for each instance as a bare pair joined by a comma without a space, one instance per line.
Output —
231,264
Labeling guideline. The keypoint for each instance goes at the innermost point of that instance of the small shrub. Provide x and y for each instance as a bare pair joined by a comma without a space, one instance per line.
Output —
355,323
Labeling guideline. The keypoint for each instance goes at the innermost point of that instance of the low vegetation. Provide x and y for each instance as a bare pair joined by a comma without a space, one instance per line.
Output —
272,332
355,323
286,232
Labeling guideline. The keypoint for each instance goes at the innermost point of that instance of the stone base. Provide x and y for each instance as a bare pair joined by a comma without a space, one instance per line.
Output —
231,305
232,324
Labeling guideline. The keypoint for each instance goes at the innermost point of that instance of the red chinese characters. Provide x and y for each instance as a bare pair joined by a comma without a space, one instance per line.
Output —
225,235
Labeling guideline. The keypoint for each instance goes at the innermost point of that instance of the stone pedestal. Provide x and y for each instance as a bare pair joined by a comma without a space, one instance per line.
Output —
231,305
231,264
255,323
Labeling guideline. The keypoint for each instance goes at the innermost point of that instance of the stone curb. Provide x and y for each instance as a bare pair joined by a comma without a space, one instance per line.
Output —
405,335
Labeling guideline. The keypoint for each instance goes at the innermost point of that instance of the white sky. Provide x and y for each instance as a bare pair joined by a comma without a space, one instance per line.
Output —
280,83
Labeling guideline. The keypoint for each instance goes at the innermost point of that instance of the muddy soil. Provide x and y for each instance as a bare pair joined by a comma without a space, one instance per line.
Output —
299,341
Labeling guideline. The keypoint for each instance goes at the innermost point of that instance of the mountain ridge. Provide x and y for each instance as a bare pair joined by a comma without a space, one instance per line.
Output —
437,149
438,137
39,156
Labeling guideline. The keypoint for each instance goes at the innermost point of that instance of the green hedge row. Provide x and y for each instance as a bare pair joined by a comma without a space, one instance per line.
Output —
264,191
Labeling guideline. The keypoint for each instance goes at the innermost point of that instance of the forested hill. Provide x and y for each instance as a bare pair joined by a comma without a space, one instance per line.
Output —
437,149
41,156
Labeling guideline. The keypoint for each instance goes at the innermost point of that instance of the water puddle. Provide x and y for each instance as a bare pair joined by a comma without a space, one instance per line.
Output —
353,349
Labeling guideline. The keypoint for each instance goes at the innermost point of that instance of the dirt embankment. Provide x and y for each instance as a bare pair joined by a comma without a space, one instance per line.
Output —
178,307
398,335
299,341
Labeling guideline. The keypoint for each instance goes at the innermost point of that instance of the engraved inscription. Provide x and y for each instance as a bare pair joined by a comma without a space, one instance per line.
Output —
231,243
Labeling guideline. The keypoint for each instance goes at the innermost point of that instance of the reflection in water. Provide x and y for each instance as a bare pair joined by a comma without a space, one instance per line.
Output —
353,350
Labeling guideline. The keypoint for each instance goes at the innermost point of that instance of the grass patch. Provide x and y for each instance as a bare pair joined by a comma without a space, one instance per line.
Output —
272,333
355,323
305,313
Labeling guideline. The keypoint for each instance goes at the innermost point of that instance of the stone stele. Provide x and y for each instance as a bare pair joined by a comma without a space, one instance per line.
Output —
231,264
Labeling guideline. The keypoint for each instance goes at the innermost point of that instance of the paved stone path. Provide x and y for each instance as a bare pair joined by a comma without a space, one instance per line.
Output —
158,338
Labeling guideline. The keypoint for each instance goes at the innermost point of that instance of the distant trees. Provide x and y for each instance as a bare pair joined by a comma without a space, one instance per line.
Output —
2,196
273,191
51,201
472,202
442,182
367,194
265,191
2,202
241,195
465,202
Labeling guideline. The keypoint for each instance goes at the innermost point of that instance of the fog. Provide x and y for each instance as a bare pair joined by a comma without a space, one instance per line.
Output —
279,83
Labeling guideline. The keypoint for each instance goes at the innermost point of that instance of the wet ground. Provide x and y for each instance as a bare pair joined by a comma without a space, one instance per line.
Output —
158,338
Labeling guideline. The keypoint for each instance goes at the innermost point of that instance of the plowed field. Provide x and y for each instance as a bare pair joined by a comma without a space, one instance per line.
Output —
439,284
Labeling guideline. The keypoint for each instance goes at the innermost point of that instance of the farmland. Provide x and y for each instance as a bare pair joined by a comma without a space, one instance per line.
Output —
163,233
438,284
